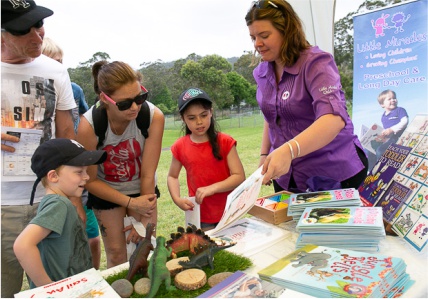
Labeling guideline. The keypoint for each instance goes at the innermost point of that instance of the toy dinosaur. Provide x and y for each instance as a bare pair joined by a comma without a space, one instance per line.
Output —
138,260
158,272
204,258
192,239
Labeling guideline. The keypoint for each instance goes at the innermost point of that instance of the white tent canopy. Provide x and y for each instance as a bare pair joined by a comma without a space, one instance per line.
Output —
318,19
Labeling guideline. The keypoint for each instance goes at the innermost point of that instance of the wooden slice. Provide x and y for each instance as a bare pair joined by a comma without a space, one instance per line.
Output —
190,279
174,267
217,278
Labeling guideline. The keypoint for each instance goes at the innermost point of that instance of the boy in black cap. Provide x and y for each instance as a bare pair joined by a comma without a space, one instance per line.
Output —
54,245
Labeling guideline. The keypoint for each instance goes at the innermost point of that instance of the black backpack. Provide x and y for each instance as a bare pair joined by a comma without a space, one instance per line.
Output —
99,118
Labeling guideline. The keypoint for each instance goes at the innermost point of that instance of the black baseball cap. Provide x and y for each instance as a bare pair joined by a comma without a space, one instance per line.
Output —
190,95
21,15
61,151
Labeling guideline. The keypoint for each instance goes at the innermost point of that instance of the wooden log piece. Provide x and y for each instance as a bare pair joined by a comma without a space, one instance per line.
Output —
190,279
174,267
217,278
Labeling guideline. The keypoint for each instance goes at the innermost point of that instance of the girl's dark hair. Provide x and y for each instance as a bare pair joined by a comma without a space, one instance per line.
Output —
212,130
285,20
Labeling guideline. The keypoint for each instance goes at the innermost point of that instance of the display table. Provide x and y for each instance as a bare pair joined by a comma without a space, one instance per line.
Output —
417,263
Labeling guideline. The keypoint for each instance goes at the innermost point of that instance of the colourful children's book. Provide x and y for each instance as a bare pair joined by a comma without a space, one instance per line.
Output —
373,138
330,198
392,200
352,220
382,173
327,272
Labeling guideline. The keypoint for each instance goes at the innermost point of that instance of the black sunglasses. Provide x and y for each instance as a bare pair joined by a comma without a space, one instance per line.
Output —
38,25
262,4
126,104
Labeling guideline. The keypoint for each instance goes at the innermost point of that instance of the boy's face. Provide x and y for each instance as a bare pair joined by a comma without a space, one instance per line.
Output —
390,103
71,180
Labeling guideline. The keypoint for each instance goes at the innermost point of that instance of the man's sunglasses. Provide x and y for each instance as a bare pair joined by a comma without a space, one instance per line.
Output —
38,25
126,104
262,4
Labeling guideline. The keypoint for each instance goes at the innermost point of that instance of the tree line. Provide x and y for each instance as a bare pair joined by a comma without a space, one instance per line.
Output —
230,81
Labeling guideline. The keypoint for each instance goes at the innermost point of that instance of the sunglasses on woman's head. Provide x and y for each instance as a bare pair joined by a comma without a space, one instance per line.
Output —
262,4
38,25
126,104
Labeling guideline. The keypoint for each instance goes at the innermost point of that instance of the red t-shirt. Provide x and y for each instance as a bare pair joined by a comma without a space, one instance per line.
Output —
203,169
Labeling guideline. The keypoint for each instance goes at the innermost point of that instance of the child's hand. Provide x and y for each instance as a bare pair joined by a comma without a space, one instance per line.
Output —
203,192
133,235
185,204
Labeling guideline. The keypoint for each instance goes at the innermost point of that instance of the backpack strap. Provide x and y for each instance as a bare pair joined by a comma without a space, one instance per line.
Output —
143,119
99,118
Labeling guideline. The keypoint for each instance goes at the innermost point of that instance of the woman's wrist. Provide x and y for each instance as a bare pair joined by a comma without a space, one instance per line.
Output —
129,202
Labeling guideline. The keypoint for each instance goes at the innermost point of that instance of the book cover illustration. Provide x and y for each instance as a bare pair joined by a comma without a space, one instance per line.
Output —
393,199
349,218
242,285
381,174
240,201
373,138
330,272
329,198
87,284
415,131
411,221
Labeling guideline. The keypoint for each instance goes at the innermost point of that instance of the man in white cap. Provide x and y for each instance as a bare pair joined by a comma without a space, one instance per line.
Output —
29,81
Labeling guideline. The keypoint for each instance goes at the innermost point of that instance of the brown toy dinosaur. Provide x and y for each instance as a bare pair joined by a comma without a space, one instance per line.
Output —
192,239
138,260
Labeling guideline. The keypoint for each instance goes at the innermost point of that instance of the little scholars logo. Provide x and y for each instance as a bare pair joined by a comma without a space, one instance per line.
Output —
285,95
191,93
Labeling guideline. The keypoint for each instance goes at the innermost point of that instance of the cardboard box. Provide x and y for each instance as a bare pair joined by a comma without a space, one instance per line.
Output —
272,208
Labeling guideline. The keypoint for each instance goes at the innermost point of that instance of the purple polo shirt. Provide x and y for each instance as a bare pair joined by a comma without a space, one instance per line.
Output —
393,118
308,90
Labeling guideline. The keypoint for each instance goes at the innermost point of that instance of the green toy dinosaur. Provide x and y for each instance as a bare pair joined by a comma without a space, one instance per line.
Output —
158,272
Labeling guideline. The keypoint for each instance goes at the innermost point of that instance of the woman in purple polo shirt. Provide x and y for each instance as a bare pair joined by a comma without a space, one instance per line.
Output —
308,139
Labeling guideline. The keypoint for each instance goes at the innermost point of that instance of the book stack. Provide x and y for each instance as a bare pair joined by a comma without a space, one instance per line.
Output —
358,228
333,198
327,272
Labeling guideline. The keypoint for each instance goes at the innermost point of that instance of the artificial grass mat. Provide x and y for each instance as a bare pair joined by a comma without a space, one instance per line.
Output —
224,261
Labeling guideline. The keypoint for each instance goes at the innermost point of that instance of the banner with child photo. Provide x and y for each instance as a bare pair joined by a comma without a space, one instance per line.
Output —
390,73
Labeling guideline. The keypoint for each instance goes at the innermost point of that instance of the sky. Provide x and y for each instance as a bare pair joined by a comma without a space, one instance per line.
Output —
142,31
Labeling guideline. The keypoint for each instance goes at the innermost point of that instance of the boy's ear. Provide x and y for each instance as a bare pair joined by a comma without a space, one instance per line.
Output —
52,176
